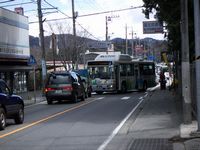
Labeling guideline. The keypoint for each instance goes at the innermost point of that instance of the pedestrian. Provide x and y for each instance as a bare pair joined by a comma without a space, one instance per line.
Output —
162,80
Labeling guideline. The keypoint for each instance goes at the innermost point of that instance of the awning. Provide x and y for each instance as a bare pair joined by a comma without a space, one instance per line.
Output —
15,68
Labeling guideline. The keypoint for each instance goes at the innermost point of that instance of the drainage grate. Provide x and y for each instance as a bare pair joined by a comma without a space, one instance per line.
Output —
151,144
193,144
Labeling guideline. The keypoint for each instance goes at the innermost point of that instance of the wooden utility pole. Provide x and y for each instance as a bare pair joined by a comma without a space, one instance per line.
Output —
197,55
185,64
53,50
41,41
74,34
126,39
106,28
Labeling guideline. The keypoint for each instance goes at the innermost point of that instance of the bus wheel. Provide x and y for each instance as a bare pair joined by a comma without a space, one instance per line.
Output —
145,86
124,89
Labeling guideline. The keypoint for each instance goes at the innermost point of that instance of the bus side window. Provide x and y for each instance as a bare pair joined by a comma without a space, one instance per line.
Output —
130,69
123,70
141,69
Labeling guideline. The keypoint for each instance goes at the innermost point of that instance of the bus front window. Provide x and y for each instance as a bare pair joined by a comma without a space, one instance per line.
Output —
102,72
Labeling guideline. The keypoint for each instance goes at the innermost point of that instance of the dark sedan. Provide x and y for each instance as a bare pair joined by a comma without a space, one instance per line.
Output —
11,106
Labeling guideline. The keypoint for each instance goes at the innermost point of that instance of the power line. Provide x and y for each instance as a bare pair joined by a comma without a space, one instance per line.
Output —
110,11
68,17
86,15
16,4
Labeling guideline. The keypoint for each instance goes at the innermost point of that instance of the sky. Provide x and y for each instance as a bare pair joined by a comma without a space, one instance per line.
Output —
92,26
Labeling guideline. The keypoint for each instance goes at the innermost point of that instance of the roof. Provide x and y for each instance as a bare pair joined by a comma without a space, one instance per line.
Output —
113,57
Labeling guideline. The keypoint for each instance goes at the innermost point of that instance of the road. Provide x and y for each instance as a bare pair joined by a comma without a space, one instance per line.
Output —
87,125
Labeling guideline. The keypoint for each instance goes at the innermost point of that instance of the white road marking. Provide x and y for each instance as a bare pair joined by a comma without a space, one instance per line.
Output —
125,97
145,95
141,98
116,130
101,98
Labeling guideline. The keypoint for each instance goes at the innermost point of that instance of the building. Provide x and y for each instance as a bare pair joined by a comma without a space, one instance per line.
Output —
14,50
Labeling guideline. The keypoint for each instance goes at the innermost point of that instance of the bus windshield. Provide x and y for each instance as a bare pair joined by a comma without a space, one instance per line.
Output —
102,72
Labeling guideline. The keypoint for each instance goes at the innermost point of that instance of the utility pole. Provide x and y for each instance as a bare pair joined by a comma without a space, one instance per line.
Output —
42,47
74,34
106,28
132,45
107,32
53,50
126,39
185,64
197,56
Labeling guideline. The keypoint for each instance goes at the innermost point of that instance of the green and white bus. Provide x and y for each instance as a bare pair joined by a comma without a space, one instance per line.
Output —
120,73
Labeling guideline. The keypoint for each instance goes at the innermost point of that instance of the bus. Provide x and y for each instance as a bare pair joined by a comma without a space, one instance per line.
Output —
120,73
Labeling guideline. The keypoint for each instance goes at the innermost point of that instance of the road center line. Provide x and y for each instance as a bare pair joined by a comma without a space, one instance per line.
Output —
116,130
45,119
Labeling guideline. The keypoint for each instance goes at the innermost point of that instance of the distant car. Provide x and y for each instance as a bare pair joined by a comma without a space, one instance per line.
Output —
64,85
11,106
86,81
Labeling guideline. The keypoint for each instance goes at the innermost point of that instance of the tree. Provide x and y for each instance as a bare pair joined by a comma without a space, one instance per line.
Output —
168,12
68,52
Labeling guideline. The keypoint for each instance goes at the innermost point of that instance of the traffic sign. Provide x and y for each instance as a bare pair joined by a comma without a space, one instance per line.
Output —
32,60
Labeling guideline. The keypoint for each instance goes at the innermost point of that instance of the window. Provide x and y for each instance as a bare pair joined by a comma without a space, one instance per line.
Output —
130,69
123,70
147,69
59,79
4,89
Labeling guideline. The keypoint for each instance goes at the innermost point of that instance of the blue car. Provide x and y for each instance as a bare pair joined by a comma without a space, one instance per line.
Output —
11,106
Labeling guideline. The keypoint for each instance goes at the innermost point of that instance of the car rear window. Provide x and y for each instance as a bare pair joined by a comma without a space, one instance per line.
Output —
59,79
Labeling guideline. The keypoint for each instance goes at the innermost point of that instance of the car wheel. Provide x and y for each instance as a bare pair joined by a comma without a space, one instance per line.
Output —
2,119
75,98
49,101
19,118
86,94
89,94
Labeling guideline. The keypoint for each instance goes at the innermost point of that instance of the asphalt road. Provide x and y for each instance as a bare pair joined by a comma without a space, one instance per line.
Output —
87,125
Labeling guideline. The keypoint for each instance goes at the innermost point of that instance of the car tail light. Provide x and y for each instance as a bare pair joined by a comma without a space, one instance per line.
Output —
49,89
68,88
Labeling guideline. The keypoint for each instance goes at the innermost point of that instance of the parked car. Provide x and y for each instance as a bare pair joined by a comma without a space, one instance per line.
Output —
64,85
11,106
87,81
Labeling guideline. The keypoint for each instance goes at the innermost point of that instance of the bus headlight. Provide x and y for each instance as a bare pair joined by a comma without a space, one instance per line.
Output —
110,86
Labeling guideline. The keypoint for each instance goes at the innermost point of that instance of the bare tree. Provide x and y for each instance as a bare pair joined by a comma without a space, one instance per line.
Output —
68,52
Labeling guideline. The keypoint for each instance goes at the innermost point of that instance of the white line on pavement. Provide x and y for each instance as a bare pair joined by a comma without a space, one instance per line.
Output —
114,133
100,98
125,97
141,98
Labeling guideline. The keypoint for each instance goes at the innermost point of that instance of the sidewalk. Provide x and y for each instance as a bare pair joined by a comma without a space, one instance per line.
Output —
159,125
156,125
32,97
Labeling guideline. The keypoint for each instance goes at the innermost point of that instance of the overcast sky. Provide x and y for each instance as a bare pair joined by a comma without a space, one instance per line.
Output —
95,25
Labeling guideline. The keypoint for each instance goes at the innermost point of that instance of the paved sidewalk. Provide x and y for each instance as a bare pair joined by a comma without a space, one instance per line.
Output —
153,124
32,97
157,123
